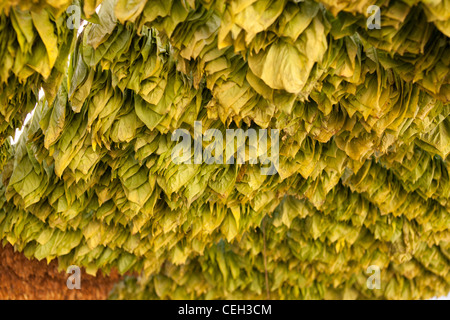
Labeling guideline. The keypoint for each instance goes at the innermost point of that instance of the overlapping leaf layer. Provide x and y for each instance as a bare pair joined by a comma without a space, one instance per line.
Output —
35,43
364,138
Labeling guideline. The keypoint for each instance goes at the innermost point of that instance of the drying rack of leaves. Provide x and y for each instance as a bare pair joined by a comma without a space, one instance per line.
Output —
363,174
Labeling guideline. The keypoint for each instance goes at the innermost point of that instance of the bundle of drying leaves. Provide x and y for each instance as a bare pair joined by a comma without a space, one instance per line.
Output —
36,43
35,46
362,179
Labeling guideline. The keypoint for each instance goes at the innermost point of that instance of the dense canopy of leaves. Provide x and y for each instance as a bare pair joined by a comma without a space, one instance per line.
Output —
363,174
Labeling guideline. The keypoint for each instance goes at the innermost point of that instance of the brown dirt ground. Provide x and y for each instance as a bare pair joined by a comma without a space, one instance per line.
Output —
23,279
